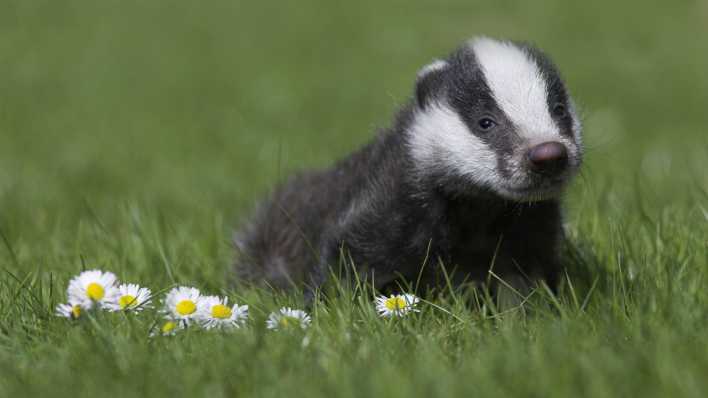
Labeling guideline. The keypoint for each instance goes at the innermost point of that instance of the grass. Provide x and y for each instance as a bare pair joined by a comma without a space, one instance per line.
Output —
135,136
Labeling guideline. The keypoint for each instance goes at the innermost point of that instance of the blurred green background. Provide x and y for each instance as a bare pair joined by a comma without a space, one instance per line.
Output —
185,105
136,135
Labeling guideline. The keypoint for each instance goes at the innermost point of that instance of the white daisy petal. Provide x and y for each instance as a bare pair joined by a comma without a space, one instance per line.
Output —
182,304
129,297
93,287
214,312
287,318
396,305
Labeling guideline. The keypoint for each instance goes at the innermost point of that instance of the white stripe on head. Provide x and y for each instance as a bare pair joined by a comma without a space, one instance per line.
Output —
517,86
436,65
440,140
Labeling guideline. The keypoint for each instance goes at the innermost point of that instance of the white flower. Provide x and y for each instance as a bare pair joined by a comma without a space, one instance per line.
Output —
181,304
287,318
72,310
214,312
396,305
129,297
169,328
92,287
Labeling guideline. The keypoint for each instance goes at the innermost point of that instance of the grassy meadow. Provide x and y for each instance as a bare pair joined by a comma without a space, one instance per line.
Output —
136,135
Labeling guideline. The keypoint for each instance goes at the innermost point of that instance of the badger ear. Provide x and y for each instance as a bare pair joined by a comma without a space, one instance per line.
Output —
429,81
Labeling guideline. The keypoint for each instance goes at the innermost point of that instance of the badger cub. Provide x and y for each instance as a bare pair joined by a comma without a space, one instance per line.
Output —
468,176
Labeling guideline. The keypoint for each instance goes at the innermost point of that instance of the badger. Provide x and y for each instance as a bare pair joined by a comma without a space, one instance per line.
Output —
465,182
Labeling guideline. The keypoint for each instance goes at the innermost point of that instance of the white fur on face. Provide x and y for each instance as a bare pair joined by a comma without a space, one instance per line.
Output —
440,140
518,87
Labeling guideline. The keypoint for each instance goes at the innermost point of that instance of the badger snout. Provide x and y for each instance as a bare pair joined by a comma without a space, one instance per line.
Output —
549,158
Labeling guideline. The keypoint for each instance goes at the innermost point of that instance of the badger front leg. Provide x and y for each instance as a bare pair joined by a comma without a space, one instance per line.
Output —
341,257
331,261
529,251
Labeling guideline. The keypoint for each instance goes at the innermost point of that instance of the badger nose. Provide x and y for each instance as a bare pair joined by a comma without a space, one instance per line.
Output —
548,158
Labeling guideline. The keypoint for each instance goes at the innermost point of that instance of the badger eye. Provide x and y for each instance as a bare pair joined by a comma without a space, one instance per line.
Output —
486,123
560,111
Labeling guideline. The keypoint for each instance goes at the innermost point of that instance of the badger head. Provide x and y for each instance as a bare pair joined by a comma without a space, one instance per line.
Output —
495,116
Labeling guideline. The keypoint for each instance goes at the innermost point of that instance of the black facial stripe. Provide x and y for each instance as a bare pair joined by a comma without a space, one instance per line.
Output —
558,95
472,99
429,86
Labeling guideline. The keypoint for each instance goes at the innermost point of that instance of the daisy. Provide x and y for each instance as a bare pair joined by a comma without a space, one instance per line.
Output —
287,318
129,297
72,310
214,312
92,287
181,304
169,328
396,305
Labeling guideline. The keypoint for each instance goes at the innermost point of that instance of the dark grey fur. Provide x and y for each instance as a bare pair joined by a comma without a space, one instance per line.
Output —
378,208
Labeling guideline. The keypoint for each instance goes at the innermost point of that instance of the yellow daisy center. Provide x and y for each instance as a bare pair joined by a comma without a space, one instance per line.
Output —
127,301
76,311
288,321
395,303
95,291
186,307
221,311
168,327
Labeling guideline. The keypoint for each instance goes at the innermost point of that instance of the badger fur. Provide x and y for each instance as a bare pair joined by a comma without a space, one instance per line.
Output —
467,177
